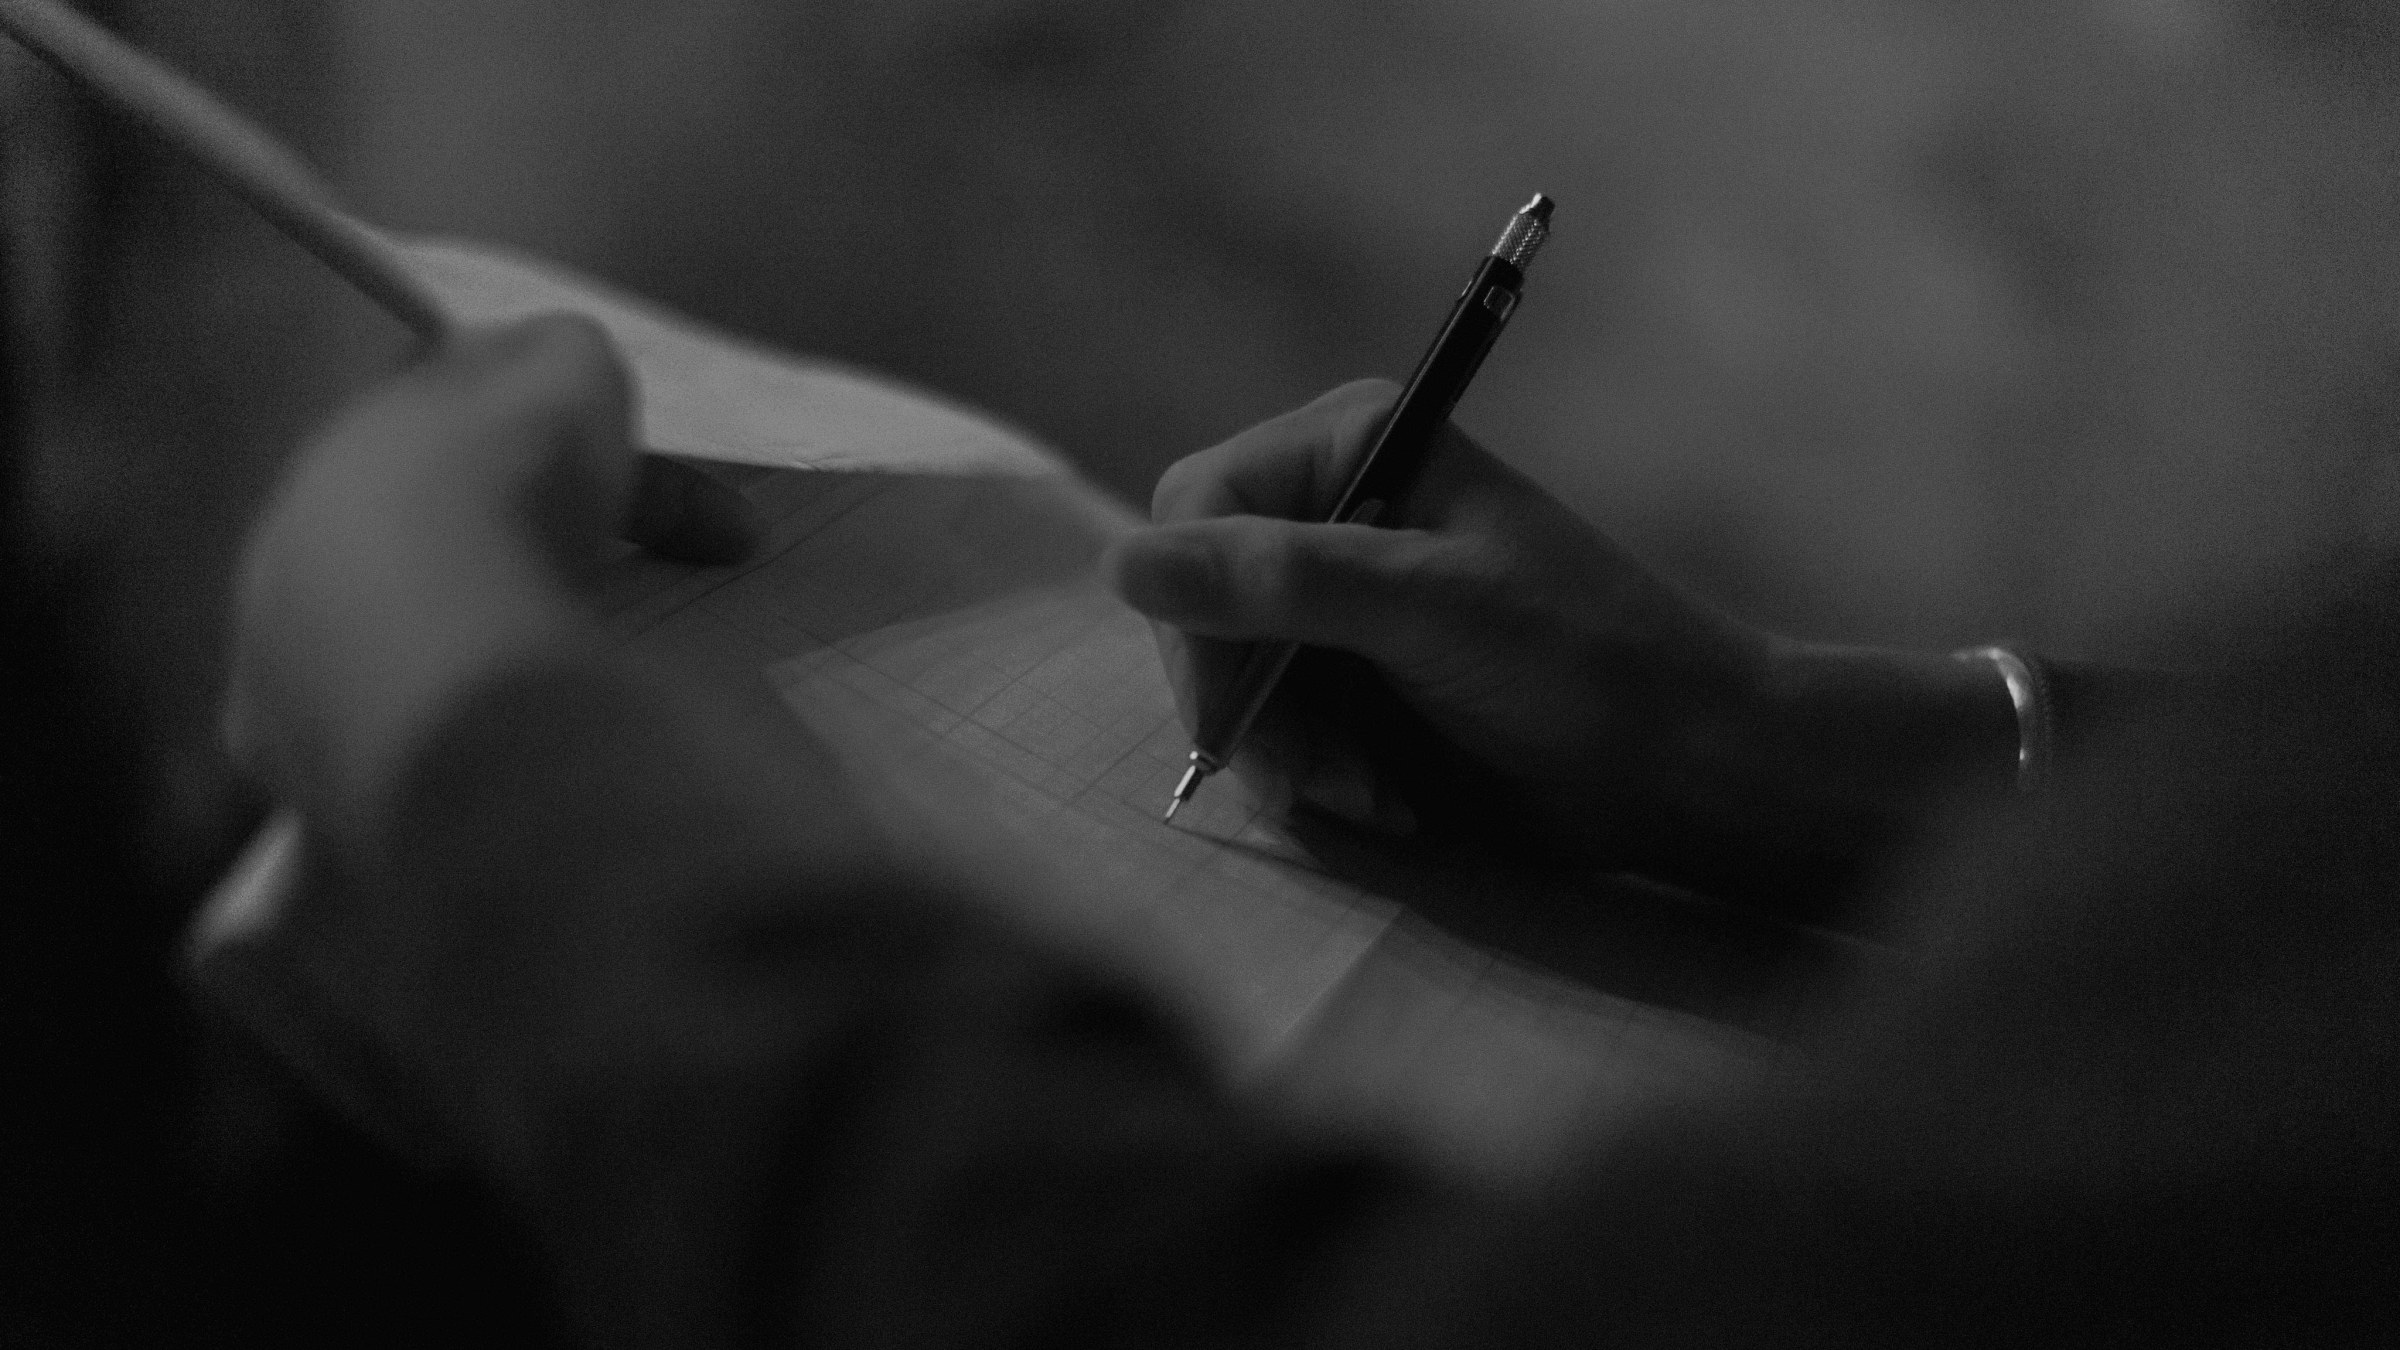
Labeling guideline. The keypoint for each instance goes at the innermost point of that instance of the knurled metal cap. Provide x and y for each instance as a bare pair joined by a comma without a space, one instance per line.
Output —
1527,230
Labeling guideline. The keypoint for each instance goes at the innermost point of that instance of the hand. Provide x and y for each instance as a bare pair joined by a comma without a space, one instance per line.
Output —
428,537
1512,643
1491,667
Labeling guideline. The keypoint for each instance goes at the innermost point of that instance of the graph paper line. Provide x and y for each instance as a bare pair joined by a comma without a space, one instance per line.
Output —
952,634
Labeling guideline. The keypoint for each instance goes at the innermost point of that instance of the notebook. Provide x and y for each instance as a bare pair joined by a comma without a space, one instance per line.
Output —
926,601
947,634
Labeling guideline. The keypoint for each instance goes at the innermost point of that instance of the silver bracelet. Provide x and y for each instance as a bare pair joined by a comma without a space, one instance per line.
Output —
2029,694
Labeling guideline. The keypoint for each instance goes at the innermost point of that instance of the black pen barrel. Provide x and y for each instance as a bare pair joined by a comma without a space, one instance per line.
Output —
1389,467
1433,390
1384,476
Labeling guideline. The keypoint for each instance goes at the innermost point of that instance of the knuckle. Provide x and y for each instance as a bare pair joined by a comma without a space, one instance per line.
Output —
1444,578
1270,570
1174,486
1373,394
566,337
556,369
576,356
1356,407
1325,573
1454,445
1359,411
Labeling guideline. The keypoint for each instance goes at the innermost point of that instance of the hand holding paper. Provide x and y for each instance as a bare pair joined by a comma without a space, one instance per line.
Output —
424,540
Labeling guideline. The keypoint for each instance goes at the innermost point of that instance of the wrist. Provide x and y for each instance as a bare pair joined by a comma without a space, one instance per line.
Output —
1835,744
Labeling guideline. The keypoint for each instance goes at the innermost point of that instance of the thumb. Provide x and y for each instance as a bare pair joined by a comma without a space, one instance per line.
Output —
1395,597
564,371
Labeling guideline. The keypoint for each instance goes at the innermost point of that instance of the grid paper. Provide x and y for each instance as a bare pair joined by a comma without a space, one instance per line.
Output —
947,636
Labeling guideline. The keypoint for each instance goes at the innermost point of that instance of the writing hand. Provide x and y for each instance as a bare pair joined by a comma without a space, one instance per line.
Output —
1523,640
1491,665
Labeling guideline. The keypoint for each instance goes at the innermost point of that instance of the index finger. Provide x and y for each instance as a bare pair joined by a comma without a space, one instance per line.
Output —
1293,466
1296,467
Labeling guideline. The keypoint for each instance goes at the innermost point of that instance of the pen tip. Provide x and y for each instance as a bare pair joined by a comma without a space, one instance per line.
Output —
1184,789
1539,208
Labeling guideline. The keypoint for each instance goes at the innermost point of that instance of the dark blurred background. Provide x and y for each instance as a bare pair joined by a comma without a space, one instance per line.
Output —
1929,322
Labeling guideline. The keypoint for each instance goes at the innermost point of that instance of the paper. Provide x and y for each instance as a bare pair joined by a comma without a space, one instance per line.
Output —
945,631
948,635
711,396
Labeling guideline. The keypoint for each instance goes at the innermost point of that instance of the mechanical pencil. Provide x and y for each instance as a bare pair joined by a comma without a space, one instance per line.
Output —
1390,464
